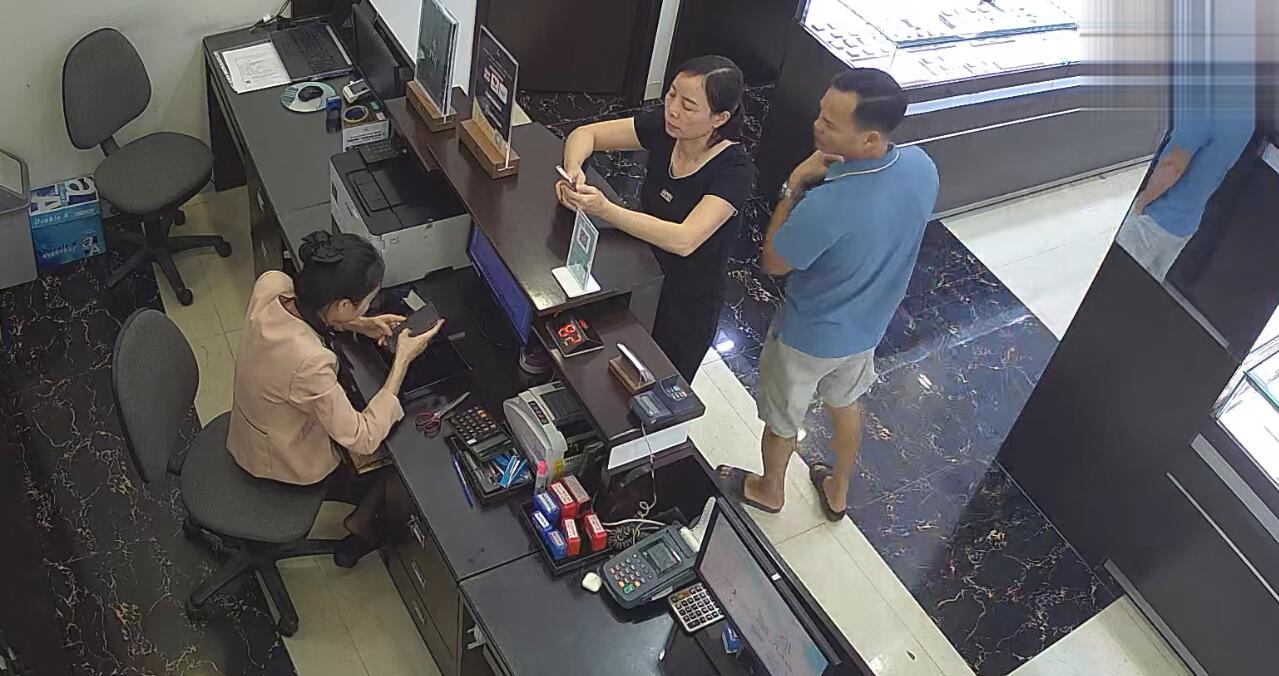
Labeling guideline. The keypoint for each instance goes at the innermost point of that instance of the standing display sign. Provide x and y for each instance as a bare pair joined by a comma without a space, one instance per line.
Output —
575,277
431,90
488,133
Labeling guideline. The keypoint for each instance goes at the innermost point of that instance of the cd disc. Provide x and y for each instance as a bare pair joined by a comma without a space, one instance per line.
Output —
306,97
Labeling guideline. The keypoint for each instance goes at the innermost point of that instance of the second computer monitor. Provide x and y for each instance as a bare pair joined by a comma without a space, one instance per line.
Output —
778,637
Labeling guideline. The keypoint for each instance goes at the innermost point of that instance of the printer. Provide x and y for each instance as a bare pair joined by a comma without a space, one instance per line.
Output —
411,215
549,425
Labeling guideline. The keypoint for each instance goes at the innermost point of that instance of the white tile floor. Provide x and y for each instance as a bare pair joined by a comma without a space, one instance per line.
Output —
1047,247
353,622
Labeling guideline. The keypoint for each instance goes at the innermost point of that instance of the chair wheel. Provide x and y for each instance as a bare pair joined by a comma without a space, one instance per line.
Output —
180,218
185,296
223,249
288,627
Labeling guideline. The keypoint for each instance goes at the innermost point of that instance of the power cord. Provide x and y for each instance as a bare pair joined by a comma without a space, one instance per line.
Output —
625,533
268,19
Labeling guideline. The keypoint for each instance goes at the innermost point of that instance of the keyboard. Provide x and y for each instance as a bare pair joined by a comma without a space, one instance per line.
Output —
694,608
316,46
310,51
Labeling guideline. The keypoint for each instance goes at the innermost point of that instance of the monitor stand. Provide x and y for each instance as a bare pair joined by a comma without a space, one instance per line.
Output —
570,285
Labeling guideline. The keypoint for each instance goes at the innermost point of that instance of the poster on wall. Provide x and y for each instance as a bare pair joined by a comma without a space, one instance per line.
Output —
493,90
436,45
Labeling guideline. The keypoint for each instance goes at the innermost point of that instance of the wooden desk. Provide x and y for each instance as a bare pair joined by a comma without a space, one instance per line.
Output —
524,221
588,378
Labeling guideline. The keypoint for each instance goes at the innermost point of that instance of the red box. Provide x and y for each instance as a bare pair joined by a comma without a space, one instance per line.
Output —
579,494
568,506
595,532
571,537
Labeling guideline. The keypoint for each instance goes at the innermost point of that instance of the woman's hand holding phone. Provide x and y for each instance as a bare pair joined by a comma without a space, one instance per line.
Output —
408,345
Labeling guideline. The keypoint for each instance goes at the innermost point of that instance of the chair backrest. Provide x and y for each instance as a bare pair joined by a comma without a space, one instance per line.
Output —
154,376
104,87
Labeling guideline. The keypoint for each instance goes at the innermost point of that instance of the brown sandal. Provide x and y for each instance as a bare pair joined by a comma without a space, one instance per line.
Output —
818,473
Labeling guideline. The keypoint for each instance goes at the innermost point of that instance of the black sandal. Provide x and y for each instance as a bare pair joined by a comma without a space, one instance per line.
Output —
350,550
818,473
734,486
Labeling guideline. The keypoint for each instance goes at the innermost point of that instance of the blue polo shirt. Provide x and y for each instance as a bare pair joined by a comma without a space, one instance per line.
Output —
853,242
1213,120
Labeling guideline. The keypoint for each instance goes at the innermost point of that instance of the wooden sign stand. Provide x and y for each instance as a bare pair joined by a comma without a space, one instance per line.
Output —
427,110
491,159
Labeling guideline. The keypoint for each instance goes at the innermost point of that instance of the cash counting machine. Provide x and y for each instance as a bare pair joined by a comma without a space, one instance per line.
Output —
411,215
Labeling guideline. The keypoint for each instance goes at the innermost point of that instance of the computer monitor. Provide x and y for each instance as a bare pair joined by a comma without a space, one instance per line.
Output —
782,639
507,291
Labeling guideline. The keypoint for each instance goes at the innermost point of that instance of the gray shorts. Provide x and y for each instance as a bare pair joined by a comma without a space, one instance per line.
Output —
788,379
1153,247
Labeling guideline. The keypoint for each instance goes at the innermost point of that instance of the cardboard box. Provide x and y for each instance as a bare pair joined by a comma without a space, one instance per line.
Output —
66,222
375,127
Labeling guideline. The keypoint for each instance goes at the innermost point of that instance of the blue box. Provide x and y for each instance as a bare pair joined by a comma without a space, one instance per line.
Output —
66,222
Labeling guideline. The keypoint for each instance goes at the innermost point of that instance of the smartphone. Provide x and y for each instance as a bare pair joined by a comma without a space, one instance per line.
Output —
417,323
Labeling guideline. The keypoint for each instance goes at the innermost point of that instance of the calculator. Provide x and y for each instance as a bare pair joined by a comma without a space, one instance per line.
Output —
694,608
479,432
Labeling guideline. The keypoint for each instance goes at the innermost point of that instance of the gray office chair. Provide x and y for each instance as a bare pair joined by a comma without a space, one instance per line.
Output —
104,87
154,378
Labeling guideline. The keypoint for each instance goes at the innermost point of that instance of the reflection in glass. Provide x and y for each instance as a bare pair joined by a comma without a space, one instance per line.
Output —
1249,410
436,45
1213,120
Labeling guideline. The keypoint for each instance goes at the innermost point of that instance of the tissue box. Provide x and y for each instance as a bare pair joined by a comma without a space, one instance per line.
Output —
66,222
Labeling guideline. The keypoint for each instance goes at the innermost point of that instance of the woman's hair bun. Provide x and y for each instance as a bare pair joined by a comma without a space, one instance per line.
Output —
318,247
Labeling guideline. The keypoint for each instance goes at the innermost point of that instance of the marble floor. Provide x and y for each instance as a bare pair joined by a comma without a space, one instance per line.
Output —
944,568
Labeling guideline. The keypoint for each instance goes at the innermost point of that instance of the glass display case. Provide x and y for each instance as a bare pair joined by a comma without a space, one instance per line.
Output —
926,42
1249,408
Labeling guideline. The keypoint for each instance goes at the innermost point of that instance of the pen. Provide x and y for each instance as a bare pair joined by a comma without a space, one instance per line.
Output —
465,489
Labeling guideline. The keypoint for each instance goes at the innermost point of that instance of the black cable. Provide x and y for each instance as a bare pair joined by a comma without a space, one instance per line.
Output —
261,23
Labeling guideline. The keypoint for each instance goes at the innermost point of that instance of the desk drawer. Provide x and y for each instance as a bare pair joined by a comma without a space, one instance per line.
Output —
440,649
425,565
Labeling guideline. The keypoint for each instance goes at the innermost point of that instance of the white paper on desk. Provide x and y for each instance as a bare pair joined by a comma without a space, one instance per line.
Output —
255,67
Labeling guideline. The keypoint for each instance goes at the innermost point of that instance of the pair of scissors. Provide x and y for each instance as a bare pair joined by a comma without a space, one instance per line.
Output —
431,422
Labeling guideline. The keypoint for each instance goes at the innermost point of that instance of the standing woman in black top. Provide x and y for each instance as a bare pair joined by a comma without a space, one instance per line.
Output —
697,179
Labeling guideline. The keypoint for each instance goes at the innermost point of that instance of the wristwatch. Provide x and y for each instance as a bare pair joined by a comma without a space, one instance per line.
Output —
787,192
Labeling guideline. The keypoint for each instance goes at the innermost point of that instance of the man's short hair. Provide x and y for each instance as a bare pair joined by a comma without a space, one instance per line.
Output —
881,103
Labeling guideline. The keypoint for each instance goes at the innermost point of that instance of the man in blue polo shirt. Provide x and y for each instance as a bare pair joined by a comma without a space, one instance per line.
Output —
847,229
1213,121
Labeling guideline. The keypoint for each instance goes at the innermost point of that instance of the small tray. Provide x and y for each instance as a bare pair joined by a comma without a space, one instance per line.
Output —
487,494
524,512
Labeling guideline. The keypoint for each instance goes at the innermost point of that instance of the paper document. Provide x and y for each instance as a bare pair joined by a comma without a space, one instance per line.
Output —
255,67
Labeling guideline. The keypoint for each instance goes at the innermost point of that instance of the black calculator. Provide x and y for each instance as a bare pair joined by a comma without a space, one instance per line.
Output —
479,431
694,608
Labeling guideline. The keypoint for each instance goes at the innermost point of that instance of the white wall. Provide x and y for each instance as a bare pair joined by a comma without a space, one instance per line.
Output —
35,37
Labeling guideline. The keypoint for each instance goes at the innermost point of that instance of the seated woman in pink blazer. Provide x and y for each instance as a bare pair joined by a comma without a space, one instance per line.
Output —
289,414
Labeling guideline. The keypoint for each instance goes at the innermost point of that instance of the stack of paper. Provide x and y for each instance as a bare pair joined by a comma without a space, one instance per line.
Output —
255,67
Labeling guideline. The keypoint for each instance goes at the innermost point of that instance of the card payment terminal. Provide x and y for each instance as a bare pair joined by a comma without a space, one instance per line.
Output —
656,566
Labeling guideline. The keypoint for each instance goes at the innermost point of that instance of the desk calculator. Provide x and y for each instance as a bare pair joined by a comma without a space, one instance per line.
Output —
479,431
694,608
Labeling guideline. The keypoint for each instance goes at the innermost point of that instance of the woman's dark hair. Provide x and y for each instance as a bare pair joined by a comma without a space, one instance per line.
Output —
334,267
724,85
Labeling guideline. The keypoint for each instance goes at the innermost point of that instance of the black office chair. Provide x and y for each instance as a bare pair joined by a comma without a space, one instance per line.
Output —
154,378
104,87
